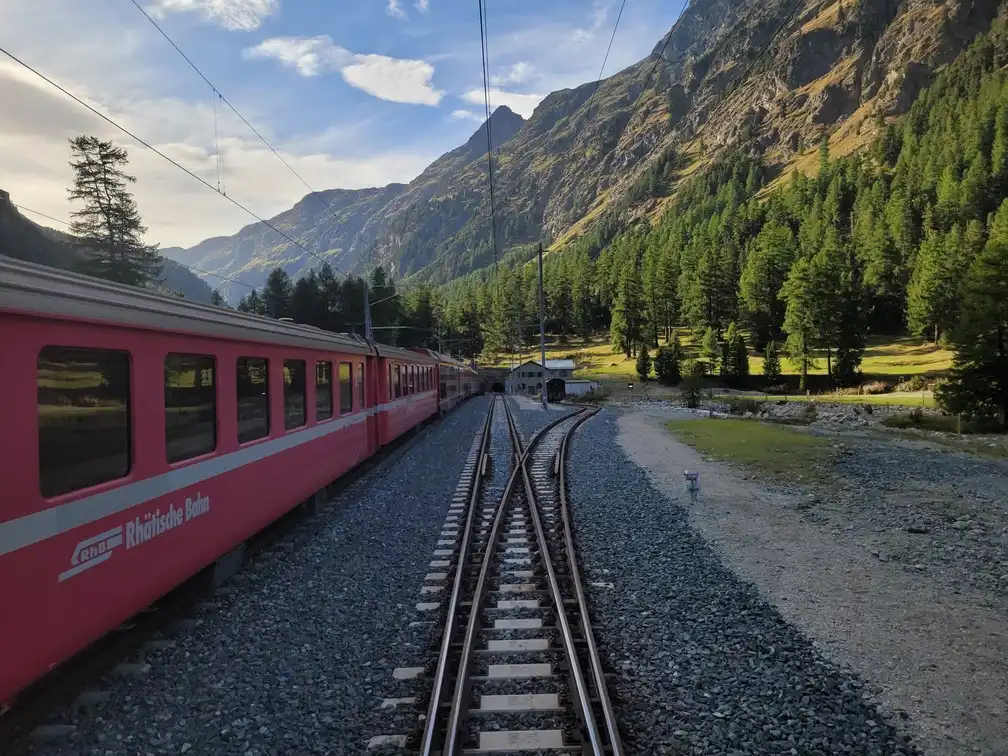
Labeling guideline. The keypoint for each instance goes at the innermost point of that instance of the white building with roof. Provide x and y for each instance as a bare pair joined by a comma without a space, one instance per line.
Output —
527,378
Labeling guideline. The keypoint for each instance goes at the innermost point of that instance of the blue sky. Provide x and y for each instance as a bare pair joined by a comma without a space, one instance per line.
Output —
352,93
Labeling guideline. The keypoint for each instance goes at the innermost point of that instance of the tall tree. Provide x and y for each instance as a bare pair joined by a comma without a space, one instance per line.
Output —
773,252
108,225
979,379
799,293
277,294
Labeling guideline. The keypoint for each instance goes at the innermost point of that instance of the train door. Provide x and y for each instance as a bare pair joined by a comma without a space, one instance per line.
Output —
370,379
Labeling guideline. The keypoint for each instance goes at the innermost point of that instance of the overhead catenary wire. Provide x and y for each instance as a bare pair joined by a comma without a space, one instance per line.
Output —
22,208
159,153
658,60
244,120
605,59
763,51
485,59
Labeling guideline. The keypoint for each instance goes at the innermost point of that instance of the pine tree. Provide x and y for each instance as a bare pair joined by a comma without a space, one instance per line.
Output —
740,356
799,293
773,252
277,293
109,226
627,327
643,363
978,384
771,363
932,296
668,363
217,299
710,349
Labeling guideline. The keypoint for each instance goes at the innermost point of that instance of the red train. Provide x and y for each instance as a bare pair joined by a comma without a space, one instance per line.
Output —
144,438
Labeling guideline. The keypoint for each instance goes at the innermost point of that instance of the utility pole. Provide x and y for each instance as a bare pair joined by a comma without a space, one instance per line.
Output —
368,332
542,327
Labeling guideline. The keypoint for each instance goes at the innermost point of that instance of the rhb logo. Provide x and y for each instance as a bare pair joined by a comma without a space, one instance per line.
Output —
135,532
93,551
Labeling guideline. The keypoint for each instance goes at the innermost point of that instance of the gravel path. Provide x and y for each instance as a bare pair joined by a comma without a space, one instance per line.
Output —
705,664
298,657
926,507
837,564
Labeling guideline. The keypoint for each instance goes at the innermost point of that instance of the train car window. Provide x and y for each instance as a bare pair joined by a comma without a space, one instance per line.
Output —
360,383
423,378
398,382
412,379
345,388
253,399
323,390
390,382
294,394
190,392
84,418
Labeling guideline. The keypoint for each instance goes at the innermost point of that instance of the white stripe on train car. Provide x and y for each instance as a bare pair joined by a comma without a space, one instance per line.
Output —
39,526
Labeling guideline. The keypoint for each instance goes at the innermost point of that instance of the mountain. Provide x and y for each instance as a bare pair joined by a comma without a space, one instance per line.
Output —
24,239
766,76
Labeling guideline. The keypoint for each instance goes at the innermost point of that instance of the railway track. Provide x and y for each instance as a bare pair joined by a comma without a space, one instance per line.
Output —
518,668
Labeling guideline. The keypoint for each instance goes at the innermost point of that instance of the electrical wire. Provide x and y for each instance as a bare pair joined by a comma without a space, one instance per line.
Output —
740,80
661,53
158,152
244,120
22,208
484,45
605,59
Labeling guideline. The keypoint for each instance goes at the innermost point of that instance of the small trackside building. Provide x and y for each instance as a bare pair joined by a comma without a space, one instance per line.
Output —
527,378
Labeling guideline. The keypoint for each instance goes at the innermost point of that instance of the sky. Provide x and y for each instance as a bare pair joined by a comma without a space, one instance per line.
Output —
351,93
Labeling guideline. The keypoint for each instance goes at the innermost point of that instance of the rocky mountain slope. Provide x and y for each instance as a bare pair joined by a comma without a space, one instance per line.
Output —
24,239
769,76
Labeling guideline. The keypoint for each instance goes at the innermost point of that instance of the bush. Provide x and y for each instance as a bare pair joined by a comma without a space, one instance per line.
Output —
915,383
667,365
875,387
742,405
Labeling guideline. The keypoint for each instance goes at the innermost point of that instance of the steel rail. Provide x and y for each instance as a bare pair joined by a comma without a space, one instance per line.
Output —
581,686
455,715
430,725
616,744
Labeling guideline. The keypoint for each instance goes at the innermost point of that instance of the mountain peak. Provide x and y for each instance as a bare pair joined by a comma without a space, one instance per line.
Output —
504,124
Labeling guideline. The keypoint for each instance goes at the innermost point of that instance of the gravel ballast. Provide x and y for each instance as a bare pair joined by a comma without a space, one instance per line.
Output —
300,650
703,664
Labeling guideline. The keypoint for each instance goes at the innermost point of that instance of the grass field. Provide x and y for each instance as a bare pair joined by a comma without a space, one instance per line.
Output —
889,357
786,452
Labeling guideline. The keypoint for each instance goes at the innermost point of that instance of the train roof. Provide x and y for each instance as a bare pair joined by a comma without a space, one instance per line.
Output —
37,289
411,355
446,359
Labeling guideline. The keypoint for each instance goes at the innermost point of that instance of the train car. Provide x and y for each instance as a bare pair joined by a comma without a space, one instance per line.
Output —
407,387
457,380
145,437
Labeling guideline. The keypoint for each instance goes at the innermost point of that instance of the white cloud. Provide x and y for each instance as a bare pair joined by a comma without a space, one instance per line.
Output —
177,210
466,115
422,5
235,15
392,79
522,104
517,73
598,17
395,10
310,56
